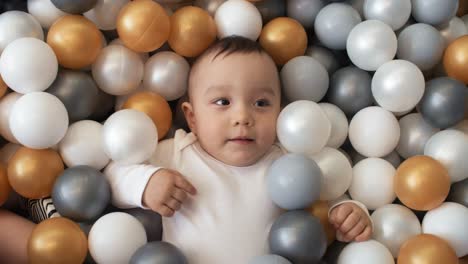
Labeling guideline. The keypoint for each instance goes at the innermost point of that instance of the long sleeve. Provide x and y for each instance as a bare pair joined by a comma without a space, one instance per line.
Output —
128,182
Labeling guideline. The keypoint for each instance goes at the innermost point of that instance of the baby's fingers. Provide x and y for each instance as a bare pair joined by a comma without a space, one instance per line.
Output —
355,231
179,195
163,210
364,235
339,214
173,204
350,222
182,183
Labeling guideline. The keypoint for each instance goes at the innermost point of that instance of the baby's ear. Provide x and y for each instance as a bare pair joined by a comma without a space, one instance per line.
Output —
189,115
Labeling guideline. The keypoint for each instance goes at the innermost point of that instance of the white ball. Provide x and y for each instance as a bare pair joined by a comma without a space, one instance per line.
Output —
370,44
82,145
337,173
28,65
367,252
372,183
6,104
115,237
393,225
118,70
18,24
449,222
303,127
45,12
166,73
450,147
374,132
238,17
398,85
130,136
38,120
339,124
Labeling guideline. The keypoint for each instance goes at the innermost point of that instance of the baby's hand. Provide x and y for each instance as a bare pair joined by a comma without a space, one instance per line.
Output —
351,222
166,191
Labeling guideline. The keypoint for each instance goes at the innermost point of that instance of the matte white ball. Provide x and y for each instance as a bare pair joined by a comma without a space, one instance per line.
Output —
45,12
367,252
372,183
38,120
18,24
115,237
303,127
82,145
374,132
28,65
239,18
129,136
6,104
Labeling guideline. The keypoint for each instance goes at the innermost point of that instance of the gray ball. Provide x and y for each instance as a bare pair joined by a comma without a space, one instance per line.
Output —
271,9
269,259
158,253
304,78
304,11
294,181
150,220
325,57
443,103
81,193
299,237
350,90
334,23
73,6
77,91
421,44
434,12
459,192
104,107
414,133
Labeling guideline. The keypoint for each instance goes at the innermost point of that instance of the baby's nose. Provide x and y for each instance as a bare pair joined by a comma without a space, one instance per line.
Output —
242,116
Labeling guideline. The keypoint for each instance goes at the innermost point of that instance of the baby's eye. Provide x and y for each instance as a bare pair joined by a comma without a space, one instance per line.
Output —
222,101
262,103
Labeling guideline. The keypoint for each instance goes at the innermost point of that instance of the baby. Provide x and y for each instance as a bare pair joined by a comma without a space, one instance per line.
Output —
210,184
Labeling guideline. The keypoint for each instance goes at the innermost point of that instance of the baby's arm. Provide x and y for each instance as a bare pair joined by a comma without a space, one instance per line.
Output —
350,219
147,186
14,234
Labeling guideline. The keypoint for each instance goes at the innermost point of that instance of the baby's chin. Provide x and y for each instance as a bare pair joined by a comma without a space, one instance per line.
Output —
241,159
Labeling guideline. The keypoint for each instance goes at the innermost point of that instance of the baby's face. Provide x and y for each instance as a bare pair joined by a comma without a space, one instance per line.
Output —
234,105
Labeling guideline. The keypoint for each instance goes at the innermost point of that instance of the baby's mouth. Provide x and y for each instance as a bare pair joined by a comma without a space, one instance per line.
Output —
242,140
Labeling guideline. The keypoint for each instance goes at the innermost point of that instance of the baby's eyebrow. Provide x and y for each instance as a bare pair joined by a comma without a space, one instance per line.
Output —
267,90
216,88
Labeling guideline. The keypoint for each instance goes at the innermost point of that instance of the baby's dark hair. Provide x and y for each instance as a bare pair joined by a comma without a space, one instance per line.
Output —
227,46
233,44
